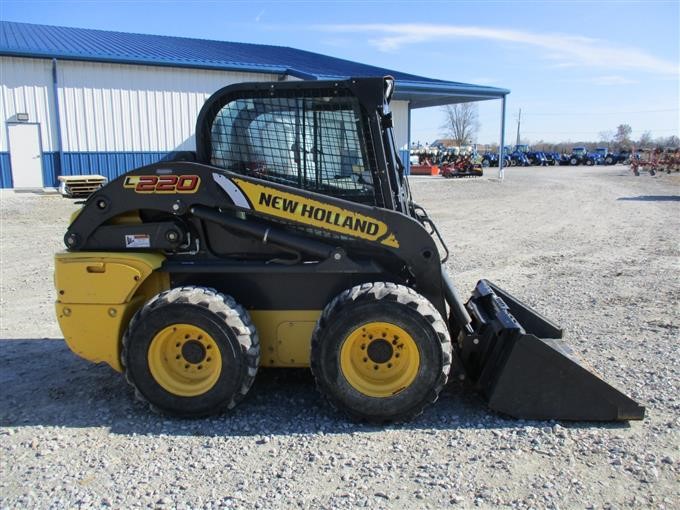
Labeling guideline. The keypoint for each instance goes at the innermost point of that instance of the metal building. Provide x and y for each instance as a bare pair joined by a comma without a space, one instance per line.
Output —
78,101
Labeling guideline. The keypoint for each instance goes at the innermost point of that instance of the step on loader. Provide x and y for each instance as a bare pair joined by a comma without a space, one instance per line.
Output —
290,239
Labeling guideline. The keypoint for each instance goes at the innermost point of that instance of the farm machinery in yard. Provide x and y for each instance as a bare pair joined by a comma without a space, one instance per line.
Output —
424,162
605,157
467,165
581,156
292,240
491,159
536,158
516,157
552,158
655,160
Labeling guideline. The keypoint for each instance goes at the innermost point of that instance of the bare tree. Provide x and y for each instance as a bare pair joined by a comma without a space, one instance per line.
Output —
622,136
461,122
606,137
670,141
646,139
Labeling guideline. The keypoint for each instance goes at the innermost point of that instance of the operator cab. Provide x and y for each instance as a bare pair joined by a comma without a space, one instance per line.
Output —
332,138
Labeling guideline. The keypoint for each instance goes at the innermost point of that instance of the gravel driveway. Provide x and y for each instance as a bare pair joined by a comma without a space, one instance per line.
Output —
595,249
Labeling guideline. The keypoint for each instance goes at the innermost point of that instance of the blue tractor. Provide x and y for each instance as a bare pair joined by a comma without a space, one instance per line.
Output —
517,157
581,156
552,158
606,157
491,159
536,158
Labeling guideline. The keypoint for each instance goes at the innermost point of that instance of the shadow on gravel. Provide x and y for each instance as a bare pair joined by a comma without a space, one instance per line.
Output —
653,198
44,384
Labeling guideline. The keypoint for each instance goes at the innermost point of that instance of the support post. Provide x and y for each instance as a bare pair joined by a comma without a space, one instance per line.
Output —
57,119
501,159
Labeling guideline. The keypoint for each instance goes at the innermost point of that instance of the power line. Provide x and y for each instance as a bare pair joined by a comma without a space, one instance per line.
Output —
602,113
592,132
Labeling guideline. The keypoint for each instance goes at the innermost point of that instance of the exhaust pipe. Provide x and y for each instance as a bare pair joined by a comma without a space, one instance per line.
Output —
518,362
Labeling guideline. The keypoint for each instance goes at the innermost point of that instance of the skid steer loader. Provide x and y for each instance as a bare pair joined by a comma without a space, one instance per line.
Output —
290,239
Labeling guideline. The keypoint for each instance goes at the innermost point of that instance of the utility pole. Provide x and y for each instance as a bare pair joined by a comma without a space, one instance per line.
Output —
519,119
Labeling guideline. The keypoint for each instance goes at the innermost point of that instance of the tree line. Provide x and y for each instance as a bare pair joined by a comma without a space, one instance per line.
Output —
461,124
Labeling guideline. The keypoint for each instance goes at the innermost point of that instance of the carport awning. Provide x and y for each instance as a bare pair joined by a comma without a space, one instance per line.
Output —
423,95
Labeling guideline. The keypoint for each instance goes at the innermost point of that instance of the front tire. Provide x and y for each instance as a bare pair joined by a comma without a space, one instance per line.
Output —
380,352
191,352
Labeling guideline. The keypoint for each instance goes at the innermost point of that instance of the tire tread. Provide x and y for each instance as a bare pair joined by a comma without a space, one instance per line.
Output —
223,306
379,291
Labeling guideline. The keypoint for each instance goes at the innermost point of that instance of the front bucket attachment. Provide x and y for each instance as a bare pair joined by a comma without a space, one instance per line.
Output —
517,361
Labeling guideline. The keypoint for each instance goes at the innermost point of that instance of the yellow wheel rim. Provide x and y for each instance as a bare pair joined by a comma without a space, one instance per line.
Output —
379,359
184,360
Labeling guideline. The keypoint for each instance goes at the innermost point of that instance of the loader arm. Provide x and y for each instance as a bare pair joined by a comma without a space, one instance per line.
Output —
318,228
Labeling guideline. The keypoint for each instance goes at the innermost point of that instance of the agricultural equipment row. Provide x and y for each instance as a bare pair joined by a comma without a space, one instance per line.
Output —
453,162
522,155
448,163
656,160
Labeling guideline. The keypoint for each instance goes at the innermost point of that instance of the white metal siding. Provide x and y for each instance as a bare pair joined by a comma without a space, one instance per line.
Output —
26,87
119,108
400,120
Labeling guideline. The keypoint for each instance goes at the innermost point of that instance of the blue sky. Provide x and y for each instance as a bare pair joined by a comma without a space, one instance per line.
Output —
575,68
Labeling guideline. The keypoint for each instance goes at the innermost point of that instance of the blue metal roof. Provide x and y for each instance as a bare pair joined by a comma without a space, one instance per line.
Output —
45,41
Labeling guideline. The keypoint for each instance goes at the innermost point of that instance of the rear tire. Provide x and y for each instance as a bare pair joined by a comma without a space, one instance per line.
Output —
380,352
191,352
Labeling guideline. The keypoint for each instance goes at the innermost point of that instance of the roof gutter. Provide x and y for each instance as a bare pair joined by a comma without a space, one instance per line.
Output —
458,89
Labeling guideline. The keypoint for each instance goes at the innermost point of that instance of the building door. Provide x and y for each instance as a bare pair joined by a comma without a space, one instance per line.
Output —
25,155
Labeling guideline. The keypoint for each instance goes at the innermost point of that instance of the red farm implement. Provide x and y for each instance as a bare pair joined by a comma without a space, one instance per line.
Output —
655,160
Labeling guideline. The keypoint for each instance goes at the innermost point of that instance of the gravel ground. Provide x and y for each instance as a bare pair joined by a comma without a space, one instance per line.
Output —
595,249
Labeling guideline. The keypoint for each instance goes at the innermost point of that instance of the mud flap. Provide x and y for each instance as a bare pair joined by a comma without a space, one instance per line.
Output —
518,362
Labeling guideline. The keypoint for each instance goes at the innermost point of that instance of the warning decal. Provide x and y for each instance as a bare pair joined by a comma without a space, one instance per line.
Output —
137,241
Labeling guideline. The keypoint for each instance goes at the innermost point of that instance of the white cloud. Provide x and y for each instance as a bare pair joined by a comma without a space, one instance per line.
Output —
612,80
564,49
259,16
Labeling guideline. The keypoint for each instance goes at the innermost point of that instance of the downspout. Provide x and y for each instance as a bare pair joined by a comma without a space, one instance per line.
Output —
57,118
407,163
501,159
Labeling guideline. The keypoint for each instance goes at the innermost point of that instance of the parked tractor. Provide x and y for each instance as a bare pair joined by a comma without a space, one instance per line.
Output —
581,156
516,157
606,157
623,157
552,158
491,159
